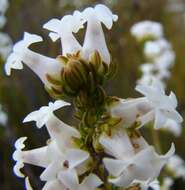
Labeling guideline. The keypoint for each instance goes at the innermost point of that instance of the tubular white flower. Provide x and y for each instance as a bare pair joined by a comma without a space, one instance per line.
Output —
57,129
94,37
70,179
51,157
146,30
40,64
134,159
36,157
61,153
163,106
64,29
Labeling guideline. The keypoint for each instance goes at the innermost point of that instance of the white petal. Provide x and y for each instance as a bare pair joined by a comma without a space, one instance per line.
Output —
58,104
76,157
27,184
118,145
19,144
51,171
105,15
58,130
173,98
53,25
53,185
69,178
16,169
115,167
91,182
174,115
160,119
13,62
37,157
54,36
122,181
170,153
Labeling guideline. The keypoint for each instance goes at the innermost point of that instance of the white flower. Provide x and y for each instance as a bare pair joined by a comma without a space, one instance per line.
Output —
166,60
153,49
70,179
60,154
147,29
134,158
40,64
163,106
64,29
57,129
51,157
5,45
177,165
94,37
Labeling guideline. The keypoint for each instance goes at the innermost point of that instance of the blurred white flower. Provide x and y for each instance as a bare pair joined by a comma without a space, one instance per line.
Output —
153,49
2,21
177,166
94,37
40,64
5,45
4,4
133,158
146,30
3,117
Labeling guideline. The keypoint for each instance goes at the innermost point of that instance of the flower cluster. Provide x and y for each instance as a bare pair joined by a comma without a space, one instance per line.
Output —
160,57
5,40
157,50
159,53
106,149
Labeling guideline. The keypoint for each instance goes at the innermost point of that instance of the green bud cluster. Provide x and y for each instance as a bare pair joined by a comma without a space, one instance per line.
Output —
83,81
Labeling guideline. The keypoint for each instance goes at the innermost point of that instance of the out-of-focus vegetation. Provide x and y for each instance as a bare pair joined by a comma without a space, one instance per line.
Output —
23,92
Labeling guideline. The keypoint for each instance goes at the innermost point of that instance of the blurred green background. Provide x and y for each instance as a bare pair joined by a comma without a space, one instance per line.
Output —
23,92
